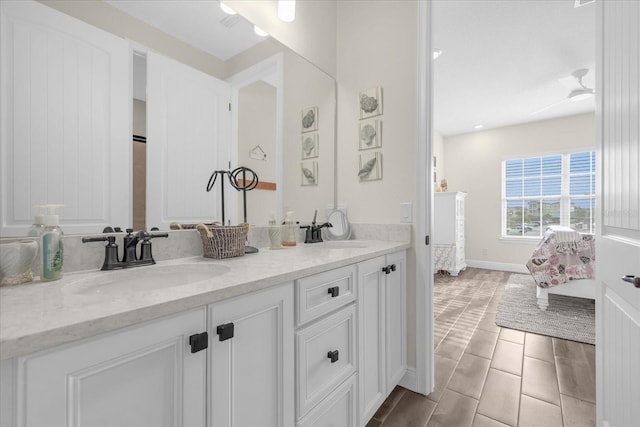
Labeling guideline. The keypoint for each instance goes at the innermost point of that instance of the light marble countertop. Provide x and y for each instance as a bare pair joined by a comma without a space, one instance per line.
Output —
40,315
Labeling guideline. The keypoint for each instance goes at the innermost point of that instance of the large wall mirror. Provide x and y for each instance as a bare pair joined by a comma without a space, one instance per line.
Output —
281,125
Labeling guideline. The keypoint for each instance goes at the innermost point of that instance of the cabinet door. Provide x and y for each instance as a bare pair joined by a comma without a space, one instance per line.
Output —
371,337
395,292
141,376
251,373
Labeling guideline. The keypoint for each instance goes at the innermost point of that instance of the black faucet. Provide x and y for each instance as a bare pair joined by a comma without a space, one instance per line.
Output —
129,257
314,232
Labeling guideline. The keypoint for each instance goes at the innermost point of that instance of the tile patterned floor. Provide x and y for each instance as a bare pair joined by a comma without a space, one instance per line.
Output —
487,376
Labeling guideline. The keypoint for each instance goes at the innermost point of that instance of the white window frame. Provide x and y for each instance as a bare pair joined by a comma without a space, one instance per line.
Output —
564,197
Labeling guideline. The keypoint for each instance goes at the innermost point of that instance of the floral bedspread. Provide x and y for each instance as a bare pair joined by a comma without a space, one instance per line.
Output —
553,262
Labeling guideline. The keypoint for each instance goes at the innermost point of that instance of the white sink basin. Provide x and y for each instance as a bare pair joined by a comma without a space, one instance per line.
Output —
340,244
144,279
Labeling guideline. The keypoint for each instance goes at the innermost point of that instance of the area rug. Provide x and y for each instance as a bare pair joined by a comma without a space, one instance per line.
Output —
566,317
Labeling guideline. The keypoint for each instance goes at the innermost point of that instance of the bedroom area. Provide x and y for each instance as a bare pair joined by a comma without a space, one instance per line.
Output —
514,160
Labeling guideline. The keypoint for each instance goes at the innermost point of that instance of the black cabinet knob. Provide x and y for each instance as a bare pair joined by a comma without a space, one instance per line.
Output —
334,291
393,267
333,355
386,269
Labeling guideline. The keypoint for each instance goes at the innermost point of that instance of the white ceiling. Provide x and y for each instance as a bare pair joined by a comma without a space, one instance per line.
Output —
502,60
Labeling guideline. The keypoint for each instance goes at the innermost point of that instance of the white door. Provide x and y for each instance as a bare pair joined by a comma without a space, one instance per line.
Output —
188,138
251,360
137,377
65,132
618,239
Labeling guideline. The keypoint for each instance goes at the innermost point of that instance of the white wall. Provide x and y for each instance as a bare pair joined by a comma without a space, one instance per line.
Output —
473,164
111,19
377,43
438,153
312,34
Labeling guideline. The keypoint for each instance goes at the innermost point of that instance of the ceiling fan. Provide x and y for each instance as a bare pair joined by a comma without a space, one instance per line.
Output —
578,93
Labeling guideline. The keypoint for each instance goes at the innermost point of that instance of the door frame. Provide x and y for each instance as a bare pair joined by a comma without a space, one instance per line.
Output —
424,213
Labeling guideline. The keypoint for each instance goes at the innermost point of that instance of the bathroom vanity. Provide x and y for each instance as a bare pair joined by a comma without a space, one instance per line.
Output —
310,335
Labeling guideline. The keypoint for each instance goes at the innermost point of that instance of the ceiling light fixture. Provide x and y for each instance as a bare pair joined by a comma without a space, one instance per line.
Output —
478,127
436,52
287,10
259,31
226,9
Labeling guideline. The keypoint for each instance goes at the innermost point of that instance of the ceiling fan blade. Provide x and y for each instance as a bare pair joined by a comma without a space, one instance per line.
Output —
550,105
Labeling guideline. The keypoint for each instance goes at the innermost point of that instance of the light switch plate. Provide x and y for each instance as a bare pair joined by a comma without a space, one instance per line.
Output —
406,212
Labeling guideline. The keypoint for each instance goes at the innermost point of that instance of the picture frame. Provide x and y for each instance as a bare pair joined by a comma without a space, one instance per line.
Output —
310,145
370,166
309,119
370,102
309,173
370,134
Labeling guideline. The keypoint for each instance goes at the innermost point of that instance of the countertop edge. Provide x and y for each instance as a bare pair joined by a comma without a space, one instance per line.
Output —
47,339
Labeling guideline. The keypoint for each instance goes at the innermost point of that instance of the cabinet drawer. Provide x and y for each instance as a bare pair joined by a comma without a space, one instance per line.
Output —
338,409
322,293
317,373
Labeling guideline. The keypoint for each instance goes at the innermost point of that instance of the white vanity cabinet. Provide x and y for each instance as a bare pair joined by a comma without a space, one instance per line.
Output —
140,376
381,330
326,356
251,359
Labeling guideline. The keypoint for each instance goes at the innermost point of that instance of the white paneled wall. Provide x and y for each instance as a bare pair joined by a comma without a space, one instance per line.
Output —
188,132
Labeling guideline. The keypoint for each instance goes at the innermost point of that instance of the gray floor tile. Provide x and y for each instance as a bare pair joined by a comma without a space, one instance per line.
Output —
539,380
482,421
482,343
537,413
501,397
569,349
539,347
469,376
512,335
453,345
443,369
575,379
390,402
488,323
577,413
413,410
454,409
508,357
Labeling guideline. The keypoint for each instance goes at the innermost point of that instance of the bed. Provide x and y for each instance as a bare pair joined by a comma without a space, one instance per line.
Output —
563,264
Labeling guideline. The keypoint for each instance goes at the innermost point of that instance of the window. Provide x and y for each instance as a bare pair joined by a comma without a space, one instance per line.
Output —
548,190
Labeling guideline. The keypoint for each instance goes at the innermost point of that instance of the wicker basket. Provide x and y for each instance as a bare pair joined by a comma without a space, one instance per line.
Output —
223,241
178,226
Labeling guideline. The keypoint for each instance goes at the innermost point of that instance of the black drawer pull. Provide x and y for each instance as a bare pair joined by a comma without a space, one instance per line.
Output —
199,342
334,291
333,355
225,331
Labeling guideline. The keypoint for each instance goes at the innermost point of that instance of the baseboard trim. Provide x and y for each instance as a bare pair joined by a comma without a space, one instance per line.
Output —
500,266
410,379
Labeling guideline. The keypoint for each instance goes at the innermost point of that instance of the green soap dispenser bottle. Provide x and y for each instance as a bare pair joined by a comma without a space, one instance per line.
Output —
51,248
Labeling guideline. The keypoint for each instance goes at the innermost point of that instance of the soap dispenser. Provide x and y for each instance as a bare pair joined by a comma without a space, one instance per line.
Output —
51,249
289,231
37,228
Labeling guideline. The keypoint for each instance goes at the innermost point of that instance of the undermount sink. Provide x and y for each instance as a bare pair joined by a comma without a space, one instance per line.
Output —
341,244
144,279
